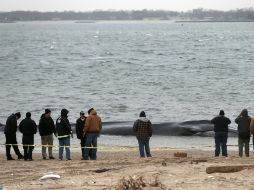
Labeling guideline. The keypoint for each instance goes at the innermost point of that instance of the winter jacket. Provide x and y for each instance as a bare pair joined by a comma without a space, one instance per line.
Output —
220,123
93,123
252,126
28,127
243,121
11,125
79,127
143,129
46,126
63,128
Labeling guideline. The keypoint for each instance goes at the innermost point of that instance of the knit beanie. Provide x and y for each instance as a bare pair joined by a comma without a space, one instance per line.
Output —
221,112
47,111
142,114
28,114
18,115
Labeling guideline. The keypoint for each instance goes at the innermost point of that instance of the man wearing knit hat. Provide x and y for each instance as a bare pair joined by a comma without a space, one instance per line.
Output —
46,130
10,135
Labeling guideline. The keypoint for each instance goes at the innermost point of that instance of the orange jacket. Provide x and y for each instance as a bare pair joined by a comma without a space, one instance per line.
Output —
93,123
252,126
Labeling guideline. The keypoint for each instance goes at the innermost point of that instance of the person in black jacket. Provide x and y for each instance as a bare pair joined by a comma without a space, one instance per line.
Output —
10,135
243,121
46,130
28,128
79,131
221,133
63,129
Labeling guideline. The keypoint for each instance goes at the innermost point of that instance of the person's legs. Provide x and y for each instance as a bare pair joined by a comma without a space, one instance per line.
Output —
240,146
15,146
31,147
94,144
61,148
25,147
67,148
217,144
50,148
8,147
44,148
83,144
224,139
87,144
147,147
247,147
141,148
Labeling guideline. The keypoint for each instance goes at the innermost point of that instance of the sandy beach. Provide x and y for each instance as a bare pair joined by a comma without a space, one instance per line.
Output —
117,170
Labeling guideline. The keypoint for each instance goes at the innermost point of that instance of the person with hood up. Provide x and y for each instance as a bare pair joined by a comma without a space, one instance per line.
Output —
221,133
46,130
143,130
64,132
10,135
92,130
28,128
243,121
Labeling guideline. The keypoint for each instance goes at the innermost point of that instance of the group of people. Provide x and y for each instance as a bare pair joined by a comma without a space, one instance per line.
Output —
88,129
244,129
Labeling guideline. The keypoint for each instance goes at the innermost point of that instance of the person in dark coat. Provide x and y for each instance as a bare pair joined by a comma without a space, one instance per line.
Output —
46,130
243,121
28,128
64,132
79,131
10,135
221,133
143,130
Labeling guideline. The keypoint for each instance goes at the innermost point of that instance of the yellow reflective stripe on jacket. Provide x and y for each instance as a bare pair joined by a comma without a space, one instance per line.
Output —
64,136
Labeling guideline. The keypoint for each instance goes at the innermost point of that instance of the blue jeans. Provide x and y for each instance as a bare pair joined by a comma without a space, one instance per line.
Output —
62,143
221,142
142,146
91,141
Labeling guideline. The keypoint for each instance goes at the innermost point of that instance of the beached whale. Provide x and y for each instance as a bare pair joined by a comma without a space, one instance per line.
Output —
201,128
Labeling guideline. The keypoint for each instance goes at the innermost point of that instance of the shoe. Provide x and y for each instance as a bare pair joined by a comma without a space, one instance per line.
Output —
20,157
44,158
60,159
68,159
10,158
51,158
30,160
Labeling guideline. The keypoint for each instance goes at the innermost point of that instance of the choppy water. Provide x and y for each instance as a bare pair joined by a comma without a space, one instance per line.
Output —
172,71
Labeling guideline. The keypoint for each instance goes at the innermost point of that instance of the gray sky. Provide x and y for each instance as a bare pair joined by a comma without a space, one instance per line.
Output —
89,5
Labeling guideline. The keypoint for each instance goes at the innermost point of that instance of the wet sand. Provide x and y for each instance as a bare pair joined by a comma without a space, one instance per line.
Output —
117,170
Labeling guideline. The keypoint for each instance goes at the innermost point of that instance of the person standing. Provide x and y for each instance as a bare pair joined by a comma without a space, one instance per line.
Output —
79,131
243,121
221,133
143,130
46,130
63,129
92,130
10,136
28,128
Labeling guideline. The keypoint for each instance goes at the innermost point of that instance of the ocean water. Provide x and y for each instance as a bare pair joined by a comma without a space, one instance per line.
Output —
175,72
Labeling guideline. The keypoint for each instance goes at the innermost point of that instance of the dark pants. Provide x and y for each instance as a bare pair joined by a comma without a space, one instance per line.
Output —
28,146
243,142
11,139
83,144
144,146
221,143
91,141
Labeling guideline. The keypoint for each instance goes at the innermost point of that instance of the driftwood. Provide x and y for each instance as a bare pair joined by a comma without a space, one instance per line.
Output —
227,169
196,161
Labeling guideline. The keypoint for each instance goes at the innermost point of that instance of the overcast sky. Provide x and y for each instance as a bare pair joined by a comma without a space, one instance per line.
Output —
89,5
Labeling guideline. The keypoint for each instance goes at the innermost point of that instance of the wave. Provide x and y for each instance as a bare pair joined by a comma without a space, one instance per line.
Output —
201,128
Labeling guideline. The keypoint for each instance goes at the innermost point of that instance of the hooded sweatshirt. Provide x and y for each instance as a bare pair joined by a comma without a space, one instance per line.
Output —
143,129
28,127
243,121
11,125
93,123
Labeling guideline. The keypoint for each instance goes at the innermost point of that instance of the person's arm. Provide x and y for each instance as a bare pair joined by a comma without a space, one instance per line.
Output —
135,126
237,119
150,129
229,121
78,131
53,127
213,120
34,128
21,126
87,124
40,126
